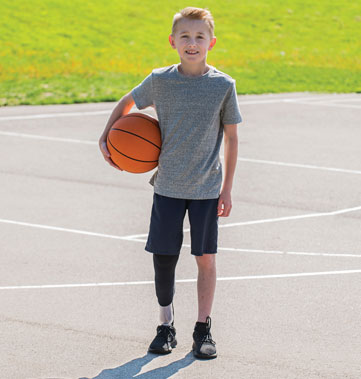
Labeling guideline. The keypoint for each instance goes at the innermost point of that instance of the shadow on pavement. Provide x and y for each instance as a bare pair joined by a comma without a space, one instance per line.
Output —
131,369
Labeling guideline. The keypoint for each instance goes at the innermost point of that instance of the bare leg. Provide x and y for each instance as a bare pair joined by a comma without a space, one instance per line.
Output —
206,284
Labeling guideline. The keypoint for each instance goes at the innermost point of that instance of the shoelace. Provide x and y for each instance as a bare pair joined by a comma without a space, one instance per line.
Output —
164,330
207,337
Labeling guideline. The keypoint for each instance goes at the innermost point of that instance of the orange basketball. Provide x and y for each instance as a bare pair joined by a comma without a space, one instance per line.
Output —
134,142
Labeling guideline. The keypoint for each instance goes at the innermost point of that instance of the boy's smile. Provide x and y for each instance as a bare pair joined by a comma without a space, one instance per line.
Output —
192,40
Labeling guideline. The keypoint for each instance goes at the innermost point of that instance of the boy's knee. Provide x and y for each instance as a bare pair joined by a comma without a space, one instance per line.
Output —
206,261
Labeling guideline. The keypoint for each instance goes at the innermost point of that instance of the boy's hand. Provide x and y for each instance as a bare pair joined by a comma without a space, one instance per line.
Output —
106,154
224,204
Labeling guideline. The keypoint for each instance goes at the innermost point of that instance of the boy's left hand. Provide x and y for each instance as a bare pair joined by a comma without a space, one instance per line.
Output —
224,204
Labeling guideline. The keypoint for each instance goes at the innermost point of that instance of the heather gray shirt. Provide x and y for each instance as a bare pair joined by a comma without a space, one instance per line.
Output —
191,113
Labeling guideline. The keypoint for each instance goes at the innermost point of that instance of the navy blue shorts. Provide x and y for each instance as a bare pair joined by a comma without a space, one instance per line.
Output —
166,225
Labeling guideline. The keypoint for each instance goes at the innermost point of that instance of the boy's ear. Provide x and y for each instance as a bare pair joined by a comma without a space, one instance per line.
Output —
171,41
213,42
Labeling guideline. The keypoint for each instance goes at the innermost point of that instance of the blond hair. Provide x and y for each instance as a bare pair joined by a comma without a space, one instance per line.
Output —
193,13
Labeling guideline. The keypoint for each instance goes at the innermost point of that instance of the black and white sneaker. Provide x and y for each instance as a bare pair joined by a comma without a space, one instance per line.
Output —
203,345
164,341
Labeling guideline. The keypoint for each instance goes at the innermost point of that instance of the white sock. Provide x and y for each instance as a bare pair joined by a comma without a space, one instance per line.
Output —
166,314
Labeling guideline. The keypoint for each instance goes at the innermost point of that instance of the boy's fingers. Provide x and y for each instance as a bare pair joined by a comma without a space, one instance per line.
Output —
104,149
220,207
106,155
113,164
227,210
224,208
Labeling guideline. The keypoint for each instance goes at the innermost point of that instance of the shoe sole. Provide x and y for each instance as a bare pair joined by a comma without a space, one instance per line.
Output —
203,356
163,352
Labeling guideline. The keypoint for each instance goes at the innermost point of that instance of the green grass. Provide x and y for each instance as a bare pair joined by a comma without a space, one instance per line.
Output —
66,51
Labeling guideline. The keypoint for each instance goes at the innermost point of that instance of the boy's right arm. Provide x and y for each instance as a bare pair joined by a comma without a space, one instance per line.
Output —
123,107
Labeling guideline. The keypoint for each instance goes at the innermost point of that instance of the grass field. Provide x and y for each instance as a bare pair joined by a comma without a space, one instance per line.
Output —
70,51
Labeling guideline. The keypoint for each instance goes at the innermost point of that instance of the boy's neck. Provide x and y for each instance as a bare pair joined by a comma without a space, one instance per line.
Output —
191,70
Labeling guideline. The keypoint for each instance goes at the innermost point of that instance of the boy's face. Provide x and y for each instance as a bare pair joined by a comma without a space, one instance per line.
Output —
192,40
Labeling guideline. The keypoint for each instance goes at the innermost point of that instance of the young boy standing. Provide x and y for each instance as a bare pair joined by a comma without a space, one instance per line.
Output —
196,104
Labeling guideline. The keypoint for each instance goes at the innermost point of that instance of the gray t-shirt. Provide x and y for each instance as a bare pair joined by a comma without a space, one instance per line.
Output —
191,113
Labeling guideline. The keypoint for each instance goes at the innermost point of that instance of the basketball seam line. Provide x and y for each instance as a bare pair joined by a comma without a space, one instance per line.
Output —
138,160
144,117
136,135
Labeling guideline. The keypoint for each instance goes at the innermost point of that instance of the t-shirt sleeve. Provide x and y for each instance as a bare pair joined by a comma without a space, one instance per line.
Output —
143,93
230,113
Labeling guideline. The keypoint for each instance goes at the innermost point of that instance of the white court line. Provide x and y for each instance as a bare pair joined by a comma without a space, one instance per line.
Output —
290,100
280,252
287,100
344,100
250,277
60,229
288,218
333,105
54,115
276,252
95,113
266,101
47,138
297,165
329,97
104,112
270,220
87,142
135,236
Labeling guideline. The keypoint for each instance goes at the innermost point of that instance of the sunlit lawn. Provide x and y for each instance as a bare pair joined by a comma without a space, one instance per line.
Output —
68,51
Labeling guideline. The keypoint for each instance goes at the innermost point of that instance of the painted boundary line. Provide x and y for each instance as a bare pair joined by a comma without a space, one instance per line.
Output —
145,282
134,236
345,99
302,100
298,165
47,138
287,218
138,237
320,103
325,97
279,252
272,252
60,229
249,160
54,115
270,220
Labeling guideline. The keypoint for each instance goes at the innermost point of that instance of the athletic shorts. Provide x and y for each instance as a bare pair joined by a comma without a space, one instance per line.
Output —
166,225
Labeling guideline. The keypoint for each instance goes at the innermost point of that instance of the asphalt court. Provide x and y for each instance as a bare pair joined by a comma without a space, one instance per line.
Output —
76,291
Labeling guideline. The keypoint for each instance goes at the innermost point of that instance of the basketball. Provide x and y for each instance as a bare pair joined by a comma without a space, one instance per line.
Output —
134,142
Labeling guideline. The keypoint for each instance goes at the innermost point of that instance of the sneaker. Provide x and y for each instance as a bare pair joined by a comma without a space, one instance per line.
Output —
203,346
164,341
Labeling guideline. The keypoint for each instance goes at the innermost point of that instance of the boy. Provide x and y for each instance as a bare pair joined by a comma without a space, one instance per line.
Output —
195,104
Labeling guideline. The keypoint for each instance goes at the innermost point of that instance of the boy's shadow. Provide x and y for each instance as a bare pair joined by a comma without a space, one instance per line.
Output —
131,369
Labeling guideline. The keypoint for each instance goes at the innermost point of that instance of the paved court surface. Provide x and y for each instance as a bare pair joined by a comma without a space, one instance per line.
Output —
76,291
